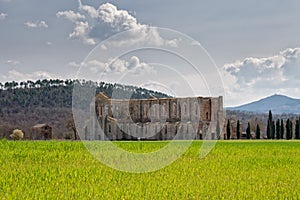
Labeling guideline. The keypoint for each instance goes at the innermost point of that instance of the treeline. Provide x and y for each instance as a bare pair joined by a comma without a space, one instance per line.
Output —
276,129
24,104
58,93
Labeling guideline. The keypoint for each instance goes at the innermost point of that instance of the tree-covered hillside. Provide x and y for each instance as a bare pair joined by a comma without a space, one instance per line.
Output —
58,93
27,103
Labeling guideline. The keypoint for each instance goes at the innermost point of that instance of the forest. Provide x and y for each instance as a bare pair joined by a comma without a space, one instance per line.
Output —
24,104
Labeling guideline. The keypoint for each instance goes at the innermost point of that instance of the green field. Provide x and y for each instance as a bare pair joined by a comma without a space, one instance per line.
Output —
232,170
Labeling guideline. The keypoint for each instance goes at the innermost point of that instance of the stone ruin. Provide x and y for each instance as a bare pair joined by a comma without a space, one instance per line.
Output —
155,119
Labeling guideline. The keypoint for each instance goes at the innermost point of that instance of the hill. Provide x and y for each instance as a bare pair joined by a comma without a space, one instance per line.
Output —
27,103
277,103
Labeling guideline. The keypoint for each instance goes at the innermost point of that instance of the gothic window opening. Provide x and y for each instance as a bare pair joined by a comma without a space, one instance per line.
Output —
165,108
196,108
155,110
184,109
145,111
117,114
174,109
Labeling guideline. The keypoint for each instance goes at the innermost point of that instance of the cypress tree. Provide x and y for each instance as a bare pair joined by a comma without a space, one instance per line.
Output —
238,132
257,132
288,131
281,129
278,129
270,125
297,130
248,131
273,130
228,130
291,129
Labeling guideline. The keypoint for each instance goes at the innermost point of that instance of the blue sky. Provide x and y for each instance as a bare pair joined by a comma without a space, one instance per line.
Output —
253,43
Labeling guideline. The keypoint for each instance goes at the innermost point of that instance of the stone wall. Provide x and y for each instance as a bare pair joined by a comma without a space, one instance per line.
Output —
155,119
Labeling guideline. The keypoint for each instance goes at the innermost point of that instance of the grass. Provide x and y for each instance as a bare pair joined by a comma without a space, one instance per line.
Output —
232,170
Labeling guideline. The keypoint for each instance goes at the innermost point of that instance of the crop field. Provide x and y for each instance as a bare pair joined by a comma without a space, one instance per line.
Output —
232,170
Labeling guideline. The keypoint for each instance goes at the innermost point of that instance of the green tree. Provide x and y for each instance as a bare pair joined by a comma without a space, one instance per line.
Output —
238,130
291,129
288,130
278,128
270,125
248,131
273,130
257,132
297,130
228,130
281,129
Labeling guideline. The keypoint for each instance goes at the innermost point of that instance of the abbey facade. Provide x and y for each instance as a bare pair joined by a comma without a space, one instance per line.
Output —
155,119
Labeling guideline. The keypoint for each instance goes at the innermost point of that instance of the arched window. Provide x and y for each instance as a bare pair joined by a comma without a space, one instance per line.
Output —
145,111
184,108
165,108
137,111
155,110
116,112
207,116
196,108
174,109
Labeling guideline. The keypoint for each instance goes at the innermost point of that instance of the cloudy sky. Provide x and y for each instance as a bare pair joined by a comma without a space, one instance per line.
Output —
255,45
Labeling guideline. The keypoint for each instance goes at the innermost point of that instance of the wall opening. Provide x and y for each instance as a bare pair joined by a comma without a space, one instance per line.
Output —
165,108
196,108
174,109
184,109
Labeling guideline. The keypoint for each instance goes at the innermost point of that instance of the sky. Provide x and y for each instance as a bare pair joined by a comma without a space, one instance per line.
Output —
243,50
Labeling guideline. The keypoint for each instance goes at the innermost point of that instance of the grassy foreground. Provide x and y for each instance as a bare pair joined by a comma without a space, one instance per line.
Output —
232,170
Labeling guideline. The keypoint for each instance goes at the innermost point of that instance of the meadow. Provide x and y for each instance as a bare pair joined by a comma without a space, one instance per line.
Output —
232,170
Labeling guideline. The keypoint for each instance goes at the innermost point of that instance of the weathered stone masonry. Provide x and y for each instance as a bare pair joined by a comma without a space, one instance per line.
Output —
155,119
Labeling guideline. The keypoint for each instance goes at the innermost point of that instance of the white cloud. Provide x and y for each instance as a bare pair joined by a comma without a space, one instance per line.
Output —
30,24
112,66
3,16
74,64
138,67
118,20
91,11
71,15
20,76
43,24
94,25
49,43
267,75
133,66
81,32
40,24
12,62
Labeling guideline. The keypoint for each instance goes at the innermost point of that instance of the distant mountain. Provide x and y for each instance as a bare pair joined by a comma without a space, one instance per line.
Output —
277,103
